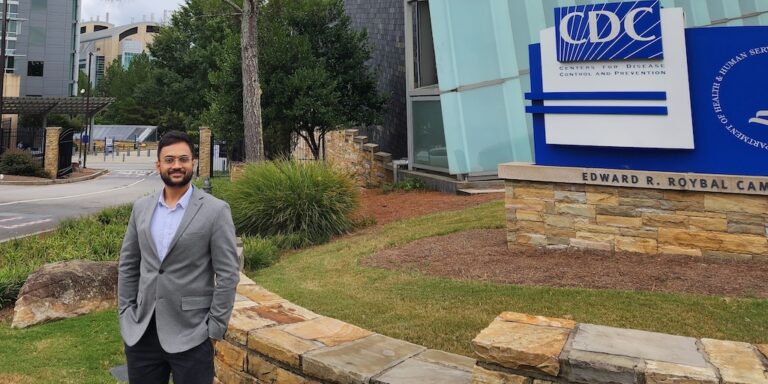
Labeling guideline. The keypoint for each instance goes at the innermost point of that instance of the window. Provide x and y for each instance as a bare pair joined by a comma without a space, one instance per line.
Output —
13,11
429,148
424,55
82,29
12,28
39,5
10,64
35,68
127,58
37,36
152,29
99,68
99,27
128,32
10,47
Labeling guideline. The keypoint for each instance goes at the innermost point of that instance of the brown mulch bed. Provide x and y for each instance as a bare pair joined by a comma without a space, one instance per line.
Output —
483,255
389,207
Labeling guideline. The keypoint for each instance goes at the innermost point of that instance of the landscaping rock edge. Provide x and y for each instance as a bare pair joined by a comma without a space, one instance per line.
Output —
271,340
65,289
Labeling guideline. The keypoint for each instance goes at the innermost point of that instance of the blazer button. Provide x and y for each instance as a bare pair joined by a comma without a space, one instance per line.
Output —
161,271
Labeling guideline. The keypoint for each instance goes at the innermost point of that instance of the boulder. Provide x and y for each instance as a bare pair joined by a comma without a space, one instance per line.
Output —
65,289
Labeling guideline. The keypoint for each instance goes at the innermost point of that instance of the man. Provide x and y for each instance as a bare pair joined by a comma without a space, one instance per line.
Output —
178,243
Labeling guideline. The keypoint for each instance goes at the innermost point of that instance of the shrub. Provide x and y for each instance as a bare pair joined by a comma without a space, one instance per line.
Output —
311,201
259,252
409,184
20,163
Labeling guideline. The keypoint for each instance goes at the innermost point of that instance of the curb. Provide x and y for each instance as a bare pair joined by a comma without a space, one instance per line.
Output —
30,234
56,181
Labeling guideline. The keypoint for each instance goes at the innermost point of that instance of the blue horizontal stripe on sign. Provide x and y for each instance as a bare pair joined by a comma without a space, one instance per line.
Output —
596,96
598,110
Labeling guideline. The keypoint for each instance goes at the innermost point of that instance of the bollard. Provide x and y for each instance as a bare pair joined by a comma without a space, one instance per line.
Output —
123,157
207,185
148,153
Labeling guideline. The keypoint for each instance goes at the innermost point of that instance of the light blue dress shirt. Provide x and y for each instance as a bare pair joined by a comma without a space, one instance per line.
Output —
165,222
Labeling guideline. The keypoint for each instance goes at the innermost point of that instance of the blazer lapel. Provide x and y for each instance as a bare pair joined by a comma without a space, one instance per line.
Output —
195,202
147,224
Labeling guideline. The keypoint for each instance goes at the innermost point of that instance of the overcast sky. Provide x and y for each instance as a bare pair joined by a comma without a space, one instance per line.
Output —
121,11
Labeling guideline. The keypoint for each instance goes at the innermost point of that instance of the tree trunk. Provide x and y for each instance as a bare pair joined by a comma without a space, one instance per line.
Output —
314,145
254,143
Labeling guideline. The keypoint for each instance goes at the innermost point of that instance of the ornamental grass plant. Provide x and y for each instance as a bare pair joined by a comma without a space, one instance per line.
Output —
306,202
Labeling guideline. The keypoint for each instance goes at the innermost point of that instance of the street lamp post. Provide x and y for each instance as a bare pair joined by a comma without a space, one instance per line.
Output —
2,57
87,110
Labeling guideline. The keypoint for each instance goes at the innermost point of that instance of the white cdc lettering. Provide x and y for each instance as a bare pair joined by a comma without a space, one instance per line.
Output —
613,19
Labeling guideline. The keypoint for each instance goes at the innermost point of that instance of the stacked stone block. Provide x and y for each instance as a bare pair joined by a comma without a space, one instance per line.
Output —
524,349
270,340
205,153
703,224
352,153
51,159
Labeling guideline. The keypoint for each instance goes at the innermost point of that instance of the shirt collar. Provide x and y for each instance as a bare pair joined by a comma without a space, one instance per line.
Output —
182,202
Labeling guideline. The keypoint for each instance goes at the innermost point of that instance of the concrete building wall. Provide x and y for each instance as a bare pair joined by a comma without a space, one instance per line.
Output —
385,24
107,44
49,35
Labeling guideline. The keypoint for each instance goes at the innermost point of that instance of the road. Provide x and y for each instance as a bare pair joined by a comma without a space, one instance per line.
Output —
26,209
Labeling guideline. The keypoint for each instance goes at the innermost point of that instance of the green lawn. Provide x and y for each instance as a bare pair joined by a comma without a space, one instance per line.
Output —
79,350
447,314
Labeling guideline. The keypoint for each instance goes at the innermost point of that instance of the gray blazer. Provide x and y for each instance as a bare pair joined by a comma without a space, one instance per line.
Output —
189,308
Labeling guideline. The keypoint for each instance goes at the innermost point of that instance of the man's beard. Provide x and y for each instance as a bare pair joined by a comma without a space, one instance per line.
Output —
175,184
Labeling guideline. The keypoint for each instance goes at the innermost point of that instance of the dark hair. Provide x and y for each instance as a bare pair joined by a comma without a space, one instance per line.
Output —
173,137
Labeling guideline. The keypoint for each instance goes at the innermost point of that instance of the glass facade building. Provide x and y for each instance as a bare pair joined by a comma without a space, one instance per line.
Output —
467,71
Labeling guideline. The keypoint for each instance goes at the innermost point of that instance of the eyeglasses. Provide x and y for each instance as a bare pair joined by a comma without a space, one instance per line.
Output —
169,160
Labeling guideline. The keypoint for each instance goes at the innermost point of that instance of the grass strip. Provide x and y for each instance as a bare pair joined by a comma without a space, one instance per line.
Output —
447,314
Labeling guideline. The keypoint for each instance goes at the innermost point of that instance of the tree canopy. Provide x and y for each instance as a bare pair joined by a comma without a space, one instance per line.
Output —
311,67
313,71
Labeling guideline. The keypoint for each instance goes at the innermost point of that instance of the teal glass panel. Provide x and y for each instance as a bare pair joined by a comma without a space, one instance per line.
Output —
428,137
473,41
485,127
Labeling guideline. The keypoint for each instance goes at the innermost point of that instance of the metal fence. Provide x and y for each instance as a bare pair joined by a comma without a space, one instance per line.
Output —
26,138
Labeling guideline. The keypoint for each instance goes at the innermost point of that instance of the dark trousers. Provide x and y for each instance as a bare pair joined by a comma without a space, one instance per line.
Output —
148,363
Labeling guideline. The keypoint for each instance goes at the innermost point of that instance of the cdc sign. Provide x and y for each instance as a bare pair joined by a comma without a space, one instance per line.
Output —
616,31
701,106
638,102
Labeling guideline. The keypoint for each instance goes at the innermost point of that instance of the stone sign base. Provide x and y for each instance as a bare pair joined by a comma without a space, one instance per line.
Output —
711,216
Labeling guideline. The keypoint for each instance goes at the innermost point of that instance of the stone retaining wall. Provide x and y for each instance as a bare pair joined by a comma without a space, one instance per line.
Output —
270,340
651,221
354,154
523,349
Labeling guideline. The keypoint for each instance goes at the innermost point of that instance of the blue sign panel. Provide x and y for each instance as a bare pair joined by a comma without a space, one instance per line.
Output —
729,103
605,32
